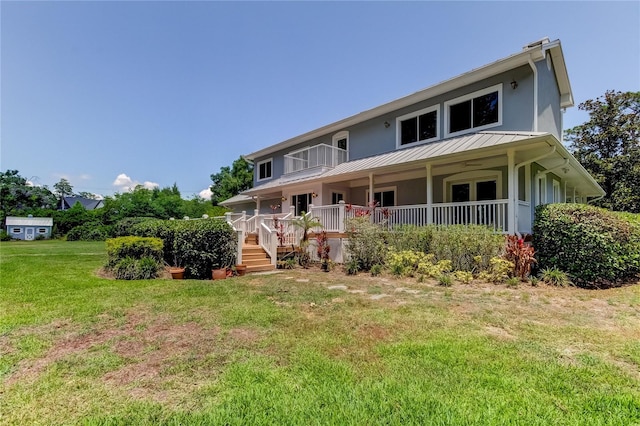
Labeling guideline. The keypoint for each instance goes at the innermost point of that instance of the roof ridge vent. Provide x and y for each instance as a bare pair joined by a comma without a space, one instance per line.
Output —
536,43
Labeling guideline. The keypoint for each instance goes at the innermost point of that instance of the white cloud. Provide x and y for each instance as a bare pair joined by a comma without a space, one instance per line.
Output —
125,183
206,194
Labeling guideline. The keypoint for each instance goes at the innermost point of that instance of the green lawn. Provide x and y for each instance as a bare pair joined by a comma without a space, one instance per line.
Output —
287,349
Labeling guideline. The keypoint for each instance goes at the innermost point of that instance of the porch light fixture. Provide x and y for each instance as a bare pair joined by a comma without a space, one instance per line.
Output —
514,85
314,195
283,198
386,124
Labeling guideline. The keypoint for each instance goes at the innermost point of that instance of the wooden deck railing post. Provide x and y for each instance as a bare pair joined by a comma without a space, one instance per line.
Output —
342,214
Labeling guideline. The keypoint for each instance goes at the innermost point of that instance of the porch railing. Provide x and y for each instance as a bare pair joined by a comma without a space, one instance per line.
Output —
489,213
321,155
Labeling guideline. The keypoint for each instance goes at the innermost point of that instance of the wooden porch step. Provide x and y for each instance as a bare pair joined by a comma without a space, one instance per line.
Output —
256,258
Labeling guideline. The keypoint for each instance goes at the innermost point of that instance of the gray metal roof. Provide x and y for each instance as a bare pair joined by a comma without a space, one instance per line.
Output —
431,151
237,199
534,51
28,221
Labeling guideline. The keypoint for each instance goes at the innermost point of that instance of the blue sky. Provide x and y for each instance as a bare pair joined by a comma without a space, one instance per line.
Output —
110,94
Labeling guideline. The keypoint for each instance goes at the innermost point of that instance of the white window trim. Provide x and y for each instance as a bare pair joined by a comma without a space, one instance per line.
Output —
556,191
16,230
541,190
472,178
383,189
341,135
402,118
470,96
42,230
268,160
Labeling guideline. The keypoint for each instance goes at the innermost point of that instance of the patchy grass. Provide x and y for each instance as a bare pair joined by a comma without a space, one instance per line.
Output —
287,349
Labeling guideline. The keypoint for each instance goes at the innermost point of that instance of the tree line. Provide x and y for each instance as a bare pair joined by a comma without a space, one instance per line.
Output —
20,198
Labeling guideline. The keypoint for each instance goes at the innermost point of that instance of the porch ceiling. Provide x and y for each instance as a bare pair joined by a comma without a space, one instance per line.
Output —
482,147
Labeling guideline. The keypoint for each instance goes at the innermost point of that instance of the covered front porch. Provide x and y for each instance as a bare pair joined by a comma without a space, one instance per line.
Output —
489,179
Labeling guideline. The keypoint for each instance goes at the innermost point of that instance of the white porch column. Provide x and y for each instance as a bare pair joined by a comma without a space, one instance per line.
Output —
429,194
370,200
342,213
512,224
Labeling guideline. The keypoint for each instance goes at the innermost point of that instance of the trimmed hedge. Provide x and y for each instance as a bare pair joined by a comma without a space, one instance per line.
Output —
134,258
197,245
91,231
123,227
596,247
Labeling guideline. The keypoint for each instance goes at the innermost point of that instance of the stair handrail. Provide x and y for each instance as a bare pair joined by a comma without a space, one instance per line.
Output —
268,241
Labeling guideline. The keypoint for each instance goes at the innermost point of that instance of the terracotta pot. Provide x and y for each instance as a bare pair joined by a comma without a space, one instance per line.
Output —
177,273
219,274
241,270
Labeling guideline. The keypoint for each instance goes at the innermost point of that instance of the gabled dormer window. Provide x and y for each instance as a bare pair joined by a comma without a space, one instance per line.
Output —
473,112
265,169
418,127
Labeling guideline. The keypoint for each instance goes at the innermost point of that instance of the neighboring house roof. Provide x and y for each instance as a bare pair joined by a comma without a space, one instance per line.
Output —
87,203
237,199
28,221
475,145
532,52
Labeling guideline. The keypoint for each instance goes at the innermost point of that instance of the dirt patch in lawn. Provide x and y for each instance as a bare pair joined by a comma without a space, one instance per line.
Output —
157,354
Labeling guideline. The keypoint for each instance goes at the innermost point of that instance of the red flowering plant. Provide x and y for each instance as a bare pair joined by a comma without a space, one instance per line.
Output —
279,227
521,255
322,246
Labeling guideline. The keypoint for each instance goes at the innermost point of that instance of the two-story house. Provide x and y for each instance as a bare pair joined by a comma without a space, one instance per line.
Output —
484,147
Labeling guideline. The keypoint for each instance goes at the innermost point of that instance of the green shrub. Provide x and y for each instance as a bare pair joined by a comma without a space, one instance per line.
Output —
92,231
134,258
367,243
125,226
498,270
4,236
445,280
595,246
135,248
464,277
555,277
163,229
411,237
197,245
462,243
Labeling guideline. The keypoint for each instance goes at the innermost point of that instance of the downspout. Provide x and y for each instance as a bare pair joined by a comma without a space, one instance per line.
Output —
517,171
535,94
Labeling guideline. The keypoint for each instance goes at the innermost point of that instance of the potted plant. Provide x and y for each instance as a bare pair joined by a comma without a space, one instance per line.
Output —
177,273
241,269
218,273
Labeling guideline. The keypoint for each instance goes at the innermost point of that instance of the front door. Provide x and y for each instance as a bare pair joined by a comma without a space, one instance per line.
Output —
29,234
301,201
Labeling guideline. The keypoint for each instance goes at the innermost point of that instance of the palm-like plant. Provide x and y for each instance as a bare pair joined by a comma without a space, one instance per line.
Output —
306,222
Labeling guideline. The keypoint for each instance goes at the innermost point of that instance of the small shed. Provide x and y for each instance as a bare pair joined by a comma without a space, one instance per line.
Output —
28,228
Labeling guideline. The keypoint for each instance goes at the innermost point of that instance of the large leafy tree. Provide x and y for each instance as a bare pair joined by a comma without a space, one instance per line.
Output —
62,189
231,181
608,146
19,197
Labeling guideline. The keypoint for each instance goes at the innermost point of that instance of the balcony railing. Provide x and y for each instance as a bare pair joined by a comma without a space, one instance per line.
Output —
316,156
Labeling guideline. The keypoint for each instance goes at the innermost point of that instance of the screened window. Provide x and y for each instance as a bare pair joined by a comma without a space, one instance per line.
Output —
476,111
265,169
420,126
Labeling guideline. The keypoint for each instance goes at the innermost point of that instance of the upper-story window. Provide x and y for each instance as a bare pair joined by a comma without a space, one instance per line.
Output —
420,126
476,111
265,169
